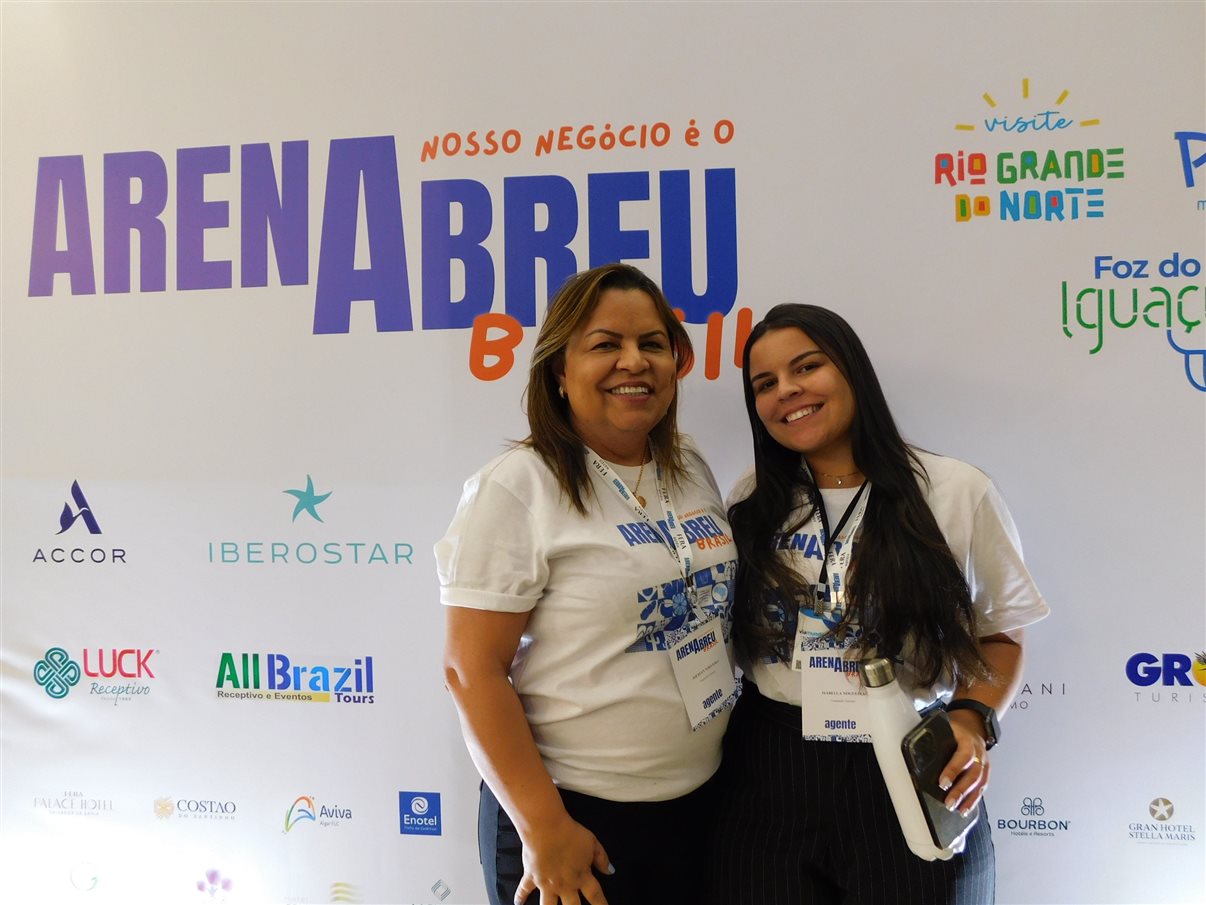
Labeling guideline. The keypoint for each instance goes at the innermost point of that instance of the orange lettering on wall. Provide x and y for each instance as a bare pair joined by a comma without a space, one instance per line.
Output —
500,347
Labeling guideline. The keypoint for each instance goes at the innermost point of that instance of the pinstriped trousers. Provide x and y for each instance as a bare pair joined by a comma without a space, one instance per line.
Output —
811,823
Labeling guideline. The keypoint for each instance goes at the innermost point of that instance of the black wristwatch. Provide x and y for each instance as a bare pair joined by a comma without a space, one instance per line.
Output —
991,726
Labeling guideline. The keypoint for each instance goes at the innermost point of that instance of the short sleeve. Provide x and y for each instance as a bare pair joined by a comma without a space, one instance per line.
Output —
1003,593
492,557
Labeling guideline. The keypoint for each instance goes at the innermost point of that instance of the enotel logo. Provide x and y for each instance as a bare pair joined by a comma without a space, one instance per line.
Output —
84,514
58,673
419,814
318,552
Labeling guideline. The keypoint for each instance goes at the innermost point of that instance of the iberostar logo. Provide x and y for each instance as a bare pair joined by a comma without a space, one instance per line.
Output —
1037,183
310,551
57,673
308,500
83,511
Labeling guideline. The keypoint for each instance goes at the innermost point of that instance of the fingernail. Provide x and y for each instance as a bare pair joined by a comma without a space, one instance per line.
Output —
611,868
945,784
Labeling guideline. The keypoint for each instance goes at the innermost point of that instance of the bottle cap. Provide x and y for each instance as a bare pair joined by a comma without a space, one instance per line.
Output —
877,672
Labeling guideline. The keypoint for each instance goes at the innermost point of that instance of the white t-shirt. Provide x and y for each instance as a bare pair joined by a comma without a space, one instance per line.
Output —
980,532
606,599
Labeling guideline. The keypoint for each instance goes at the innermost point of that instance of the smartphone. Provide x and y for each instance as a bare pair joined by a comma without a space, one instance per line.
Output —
927,749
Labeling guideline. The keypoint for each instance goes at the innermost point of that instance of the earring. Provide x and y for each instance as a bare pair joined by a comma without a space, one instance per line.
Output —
561,392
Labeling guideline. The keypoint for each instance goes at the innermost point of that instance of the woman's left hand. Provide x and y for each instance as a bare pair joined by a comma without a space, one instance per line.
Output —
965,776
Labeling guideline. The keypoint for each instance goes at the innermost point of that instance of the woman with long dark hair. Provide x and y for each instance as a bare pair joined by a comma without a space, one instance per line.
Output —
853,543
587,578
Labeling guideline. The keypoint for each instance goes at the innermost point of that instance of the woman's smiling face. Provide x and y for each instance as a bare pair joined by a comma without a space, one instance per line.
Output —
803,399
619,375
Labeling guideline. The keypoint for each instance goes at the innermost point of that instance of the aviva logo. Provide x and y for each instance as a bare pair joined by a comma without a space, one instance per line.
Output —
301,809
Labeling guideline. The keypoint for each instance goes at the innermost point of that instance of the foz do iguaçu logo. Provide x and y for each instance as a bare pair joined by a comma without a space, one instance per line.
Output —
1037,182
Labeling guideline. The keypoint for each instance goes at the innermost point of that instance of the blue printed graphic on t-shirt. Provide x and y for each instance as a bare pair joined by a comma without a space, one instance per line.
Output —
665,614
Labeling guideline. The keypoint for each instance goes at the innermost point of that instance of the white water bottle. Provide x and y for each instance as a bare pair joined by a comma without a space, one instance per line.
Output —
892,715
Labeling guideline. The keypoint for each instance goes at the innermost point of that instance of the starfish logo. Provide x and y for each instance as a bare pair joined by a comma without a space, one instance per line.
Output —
57,673
164,808
1160,809
308,500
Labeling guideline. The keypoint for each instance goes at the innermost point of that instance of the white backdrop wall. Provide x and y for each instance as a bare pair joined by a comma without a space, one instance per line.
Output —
237,308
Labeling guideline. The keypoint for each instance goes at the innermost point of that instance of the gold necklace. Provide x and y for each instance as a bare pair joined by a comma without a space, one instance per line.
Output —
636,490
839,478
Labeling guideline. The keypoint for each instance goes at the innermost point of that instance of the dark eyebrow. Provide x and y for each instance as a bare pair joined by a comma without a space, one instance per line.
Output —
616,335
795,361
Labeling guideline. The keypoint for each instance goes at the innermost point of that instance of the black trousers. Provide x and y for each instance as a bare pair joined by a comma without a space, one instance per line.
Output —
812,822
656,847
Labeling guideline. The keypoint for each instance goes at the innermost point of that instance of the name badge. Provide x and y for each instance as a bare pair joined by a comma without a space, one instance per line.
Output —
704,672
833,702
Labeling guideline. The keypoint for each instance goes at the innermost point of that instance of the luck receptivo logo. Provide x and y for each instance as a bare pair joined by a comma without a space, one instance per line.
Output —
1170,678
1158,827
120,674
78,512
419,814
277,677
295,550
306,809
1033,180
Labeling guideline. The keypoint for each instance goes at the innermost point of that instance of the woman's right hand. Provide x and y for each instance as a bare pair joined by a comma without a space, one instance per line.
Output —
558,861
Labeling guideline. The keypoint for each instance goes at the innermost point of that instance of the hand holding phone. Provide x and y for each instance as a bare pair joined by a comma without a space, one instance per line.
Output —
927,748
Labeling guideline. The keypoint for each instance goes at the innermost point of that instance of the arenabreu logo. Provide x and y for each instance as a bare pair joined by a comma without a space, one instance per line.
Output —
307,809
81,513
419,814
278,677
1035,181
120,674
291,550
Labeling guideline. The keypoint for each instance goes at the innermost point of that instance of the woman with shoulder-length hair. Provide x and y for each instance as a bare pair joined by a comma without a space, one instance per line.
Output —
852,542
587,578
